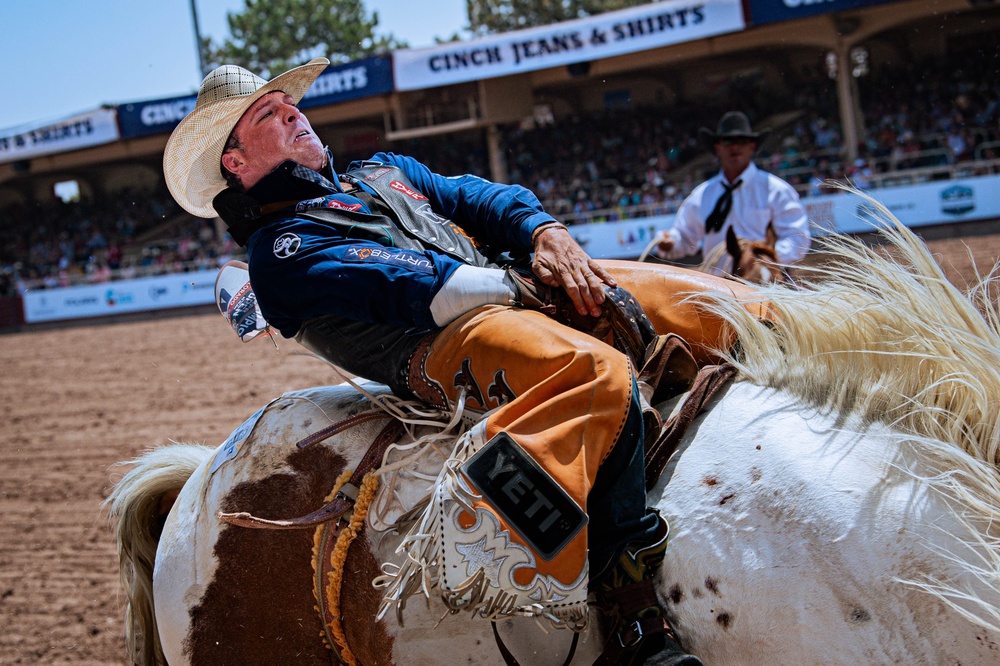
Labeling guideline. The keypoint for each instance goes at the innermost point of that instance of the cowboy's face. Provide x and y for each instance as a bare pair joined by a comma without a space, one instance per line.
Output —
270,132
735,153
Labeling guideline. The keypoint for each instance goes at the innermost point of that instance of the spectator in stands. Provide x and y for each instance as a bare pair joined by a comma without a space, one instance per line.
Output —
740,196
401,300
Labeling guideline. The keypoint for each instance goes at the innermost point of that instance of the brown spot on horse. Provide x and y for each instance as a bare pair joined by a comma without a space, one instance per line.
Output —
267,574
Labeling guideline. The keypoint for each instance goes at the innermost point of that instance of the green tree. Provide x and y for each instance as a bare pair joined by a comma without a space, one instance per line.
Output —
271,36
492,16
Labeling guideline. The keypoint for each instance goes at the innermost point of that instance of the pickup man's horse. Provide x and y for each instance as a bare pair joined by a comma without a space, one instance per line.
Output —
753,261
835,504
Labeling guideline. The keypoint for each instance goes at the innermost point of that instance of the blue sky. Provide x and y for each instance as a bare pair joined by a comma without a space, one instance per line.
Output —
62,57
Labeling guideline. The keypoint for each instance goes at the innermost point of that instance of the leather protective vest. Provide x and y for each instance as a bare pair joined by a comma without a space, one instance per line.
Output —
402,218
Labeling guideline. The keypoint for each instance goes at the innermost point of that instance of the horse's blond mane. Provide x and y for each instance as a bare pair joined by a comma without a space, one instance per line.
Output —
881,333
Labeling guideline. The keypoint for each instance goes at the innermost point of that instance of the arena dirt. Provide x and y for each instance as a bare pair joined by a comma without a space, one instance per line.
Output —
75,402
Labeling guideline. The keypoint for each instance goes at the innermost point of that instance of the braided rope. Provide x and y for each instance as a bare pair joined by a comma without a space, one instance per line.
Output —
335,577
319,538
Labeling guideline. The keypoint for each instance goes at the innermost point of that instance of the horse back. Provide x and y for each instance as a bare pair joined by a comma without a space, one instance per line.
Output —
249,596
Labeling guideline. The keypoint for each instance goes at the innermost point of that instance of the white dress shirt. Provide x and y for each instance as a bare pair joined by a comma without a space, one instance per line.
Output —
760,199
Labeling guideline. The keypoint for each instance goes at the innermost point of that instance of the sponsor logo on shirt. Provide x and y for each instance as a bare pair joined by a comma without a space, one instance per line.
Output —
383,255
413,194
318,202
286,245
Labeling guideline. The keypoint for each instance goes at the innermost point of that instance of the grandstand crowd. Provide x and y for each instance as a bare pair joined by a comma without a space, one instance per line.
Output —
622,163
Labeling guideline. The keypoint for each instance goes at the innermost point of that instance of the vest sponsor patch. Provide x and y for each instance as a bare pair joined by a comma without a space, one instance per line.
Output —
340,205
378,173
387,255
333,201
407,190
525,495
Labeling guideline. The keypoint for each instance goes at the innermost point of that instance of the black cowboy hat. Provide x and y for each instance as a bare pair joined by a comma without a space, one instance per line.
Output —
733,125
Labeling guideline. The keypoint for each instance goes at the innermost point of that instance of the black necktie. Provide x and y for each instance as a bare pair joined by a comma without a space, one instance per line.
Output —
722,207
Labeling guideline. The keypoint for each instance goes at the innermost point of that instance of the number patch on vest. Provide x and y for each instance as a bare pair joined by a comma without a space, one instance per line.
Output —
524,494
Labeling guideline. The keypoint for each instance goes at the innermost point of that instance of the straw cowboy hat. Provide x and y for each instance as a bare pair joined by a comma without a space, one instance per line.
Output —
192,158
733,125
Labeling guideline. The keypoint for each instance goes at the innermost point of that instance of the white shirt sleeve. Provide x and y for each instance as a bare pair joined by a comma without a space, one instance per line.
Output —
468,288
790,222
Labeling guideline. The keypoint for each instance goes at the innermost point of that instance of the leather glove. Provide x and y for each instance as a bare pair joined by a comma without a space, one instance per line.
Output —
621,317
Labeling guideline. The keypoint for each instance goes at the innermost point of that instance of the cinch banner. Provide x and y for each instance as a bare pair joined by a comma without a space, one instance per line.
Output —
157,116
611,34
354,80
771,11
80,131
337,83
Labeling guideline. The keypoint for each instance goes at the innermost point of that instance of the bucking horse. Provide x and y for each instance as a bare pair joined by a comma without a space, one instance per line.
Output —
833,498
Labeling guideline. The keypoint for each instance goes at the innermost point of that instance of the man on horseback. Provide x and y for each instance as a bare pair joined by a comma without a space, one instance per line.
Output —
741,197
394,273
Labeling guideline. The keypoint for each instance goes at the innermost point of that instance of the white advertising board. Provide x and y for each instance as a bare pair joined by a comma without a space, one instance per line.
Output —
111,298
593,38
939,202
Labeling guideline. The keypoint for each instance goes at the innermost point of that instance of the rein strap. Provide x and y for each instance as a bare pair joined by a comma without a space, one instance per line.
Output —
710,380
343,501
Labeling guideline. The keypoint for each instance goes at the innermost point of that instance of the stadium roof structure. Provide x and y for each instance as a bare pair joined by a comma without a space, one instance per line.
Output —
669,50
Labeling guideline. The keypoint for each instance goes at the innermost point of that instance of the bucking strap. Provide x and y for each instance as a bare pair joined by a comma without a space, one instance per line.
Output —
709,381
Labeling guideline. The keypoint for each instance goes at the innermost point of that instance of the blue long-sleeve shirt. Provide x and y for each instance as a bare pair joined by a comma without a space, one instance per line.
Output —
302,269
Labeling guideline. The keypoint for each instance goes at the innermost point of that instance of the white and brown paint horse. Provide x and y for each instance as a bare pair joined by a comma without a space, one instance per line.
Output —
836,504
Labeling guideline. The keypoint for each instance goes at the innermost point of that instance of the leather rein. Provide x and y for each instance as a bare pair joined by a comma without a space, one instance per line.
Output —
343,502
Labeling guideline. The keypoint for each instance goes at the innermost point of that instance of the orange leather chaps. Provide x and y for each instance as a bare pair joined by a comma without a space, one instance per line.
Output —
559,393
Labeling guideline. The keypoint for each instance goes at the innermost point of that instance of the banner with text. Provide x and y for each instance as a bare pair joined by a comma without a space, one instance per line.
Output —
337,83
112,298
80,131
614,33
353,80
939,202
771,11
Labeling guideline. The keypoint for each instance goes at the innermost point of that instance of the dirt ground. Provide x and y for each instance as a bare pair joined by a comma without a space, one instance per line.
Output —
76,401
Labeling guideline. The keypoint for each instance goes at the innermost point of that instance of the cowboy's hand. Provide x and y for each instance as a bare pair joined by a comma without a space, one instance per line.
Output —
664,242
561,262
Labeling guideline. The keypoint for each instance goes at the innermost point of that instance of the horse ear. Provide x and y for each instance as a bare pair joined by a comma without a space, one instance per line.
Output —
733,244
770,236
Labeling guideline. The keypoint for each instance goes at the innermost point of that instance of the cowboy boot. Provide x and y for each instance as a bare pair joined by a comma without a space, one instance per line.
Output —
637,628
